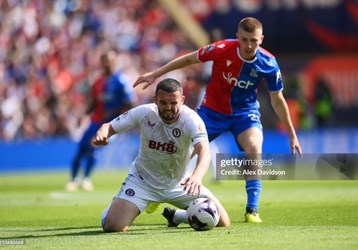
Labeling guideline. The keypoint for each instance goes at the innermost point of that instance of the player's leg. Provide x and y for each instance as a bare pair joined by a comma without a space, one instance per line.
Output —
81,151
74,183
76,162
224,220
87,184
119,216
89,156
179,198
251,142
133,197
247,129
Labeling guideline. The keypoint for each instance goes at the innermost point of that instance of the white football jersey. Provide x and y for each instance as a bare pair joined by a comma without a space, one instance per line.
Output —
165,149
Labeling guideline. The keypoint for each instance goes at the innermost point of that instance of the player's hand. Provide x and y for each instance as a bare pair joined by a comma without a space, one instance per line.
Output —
100,140
295,146
146,79
103,135
192,185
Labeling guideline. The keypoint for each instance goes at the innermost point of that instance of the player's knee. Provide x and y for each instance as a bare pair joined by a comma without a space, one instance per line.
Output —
110,225
224,223
252,149
114,227
118,229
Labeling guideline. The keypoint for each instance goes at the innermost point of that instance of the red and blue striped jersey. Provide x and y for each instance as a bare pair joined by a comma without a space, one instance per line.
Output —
110,95
234,80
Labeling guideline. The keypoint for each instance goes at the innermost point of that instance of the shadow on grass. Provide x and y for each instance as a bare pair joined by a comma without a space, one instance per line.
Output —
38,233
47,229
135,229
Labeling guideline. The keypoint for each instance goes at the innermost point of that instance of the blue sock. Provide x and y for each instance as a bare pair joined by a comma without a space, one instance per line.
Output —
253,190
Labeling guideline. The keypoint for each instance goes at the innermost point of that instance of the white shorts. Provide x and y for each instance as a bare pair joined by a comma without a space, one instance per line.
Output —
141,194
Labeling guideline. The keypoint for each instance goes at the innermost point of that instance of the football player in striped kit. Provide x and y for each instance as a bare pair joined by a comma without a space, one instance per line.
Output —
111,94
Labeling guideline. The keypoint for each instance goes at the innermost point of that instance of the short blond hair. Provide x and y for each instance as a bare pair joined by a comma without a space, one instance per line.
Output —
250,24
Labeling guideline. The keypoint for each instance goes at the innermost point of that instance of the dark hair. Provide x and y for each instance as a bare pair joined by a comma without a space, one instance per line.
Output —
169,85
250,24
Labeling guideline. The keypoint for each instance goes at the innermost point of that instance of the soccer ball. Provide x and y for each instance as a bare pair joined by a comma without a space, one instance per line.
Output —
202,214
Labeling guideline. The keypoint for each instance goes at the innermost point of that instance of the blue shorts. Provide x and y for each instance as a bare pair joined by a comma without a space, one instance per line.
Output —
217,124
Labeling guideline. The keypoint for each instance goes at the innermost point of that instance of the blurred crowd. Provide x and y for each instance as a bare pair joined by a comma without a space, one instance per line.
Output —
50,51
49,56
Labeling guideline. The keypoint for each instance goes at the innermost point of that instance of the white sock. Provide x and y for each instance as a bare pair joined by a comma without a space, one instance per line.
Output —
180,216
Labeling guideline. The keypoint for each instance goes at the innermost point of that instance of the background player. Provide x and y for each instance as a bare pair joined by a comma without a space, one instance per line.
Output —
111,95
168,129
230,102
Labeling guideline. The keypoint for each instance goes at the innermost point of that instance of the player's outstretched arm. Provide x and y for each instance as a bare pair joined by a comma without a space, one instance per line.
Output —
279,104
148,78
193,183
103,134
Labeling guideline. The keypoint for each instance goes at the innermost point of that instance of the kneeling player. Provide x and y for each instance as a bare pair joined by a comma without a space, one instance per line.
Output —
159,174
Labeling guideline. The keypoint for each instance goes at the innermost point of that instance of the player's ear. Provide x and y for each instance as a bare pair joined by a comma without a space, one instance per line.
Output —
155,99
261,39
182,99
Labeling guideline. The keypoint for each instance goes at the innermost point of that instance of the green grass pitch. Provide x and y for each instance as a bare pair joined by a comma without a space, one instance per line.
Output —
296,214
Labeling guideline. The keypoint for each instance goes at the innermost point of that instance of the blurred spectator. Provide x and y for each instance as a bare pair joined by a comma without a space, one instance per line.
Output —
192,90
296,102
298,107
322,102
48,53
111,95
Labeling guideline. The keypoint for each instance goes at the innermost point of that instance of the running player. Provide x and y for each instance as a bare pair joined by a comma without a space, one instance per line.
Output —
159,174
111,95
230,102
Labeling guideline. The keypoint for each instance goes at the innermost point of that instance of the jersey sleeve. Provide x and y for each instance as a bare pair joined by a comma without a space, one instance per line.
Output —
128,120
209,52
274,78
196,129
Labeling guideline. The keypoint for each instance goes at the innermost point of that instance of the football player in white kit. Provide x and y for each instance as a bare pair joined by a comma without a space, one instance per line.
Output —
169,132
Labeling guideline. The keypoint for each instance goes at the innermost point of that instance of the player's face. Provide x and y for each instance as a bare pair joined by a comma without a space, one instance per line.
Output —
169,105
108,62
249,43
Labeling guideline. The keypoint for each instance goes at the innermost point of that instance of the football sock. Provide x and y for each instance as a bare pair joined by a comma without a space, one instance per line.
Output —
253,190
180,216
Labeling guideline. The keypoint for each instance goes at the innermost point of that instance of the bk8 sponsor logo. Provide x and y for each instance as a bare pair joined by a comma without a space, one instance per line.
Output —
168,147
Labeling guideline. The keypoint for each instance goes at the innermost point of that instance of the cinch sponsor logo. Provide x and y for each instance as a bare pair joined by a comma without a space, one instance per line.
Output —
162,146
232,80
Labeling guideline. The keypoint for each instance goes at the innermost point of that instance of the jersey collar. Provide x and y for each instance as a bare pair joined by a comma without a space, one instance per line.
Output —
248,61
